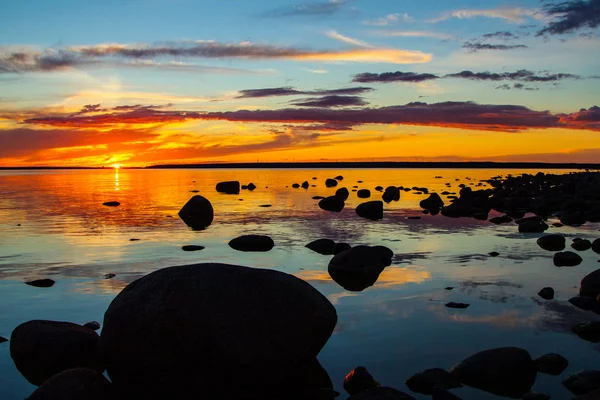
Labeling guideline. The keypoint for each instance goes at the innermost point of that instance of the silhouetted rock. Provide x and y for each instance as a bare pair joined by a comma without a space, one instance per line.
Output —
506,371
424,382
381,393
359,267
583,382
331,182
41,349
535,396
582,245
339,178
244,187
322,246
546,293
296,185
134,239
457,305
552,242
251,186
41,283
3,339
93,325
252,243
449,288
181,330
566,259
493,254
589,331
308,381
111,204
74,384
585,303
391,193
372,210
192,247
197,191
504,219
339,247
596,246
379,188
413,217
197,213
265,205
342,193
439,394
363,193
595,395
305,185
318,197
332,203
590,284
109,276
532,226
433,201
229,187
551,364
359,380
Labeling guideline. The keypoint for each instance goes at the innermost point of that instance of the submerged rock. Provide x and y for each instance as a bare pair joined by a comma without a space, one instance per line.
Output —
111,204
583,382
322,246
493,254
229,187
359,267
589,331
197,213
41,349
546,293
252,243
339,178
75,384
372,210
235,328
552,242
590,285
551,364
566,259
359,380
192,247
435,378
332,203
41,283
109,276
379,188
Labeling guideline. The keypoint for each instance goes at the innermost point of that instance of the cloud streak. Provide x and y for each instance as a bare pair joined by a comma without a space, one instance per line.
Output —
290,91
389,19
474,47
345,39
428,34
393,77
515,15
331,101
315,9
570,16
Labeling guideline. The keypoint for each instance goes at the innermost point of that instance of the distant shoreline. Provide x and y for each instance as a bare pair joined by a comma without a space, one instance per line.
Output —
342,165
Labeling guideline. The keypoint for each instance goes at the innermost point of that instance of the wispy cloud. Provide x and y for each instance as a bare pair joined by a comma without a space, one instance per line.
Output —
428,34
331,101
317,71
389,19
308,9
346,39
515,15
518,86
290,91
570,16
473,47
501,35
393,77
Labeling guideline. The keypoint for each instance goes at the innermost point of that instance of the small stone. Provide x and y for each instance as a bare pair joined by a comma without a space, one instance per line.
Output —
252,243
363,193
251,186
134,239
457,305
322,246
546,293
41,283
3,339
331,182
552,242
229,187
265,205
332,203
449,288
581,245
551,364
93,325
192,247
109,275
111,204
296,185
493,254
305,185
339,178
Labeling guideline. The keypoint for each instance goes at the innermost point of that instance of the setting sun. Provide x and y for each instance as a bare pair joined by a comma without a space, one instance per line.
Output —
116,166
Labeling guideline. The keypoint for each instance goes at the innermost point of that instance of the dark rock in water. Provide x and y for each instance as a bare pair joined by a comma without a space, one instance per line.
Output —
296,185
134,240
359,267
252,243
391,193
596,246
93,325
318,197
322,246
363,193
582,245
314,178
551,364
449,288
111,204
108,276
359,181
244,187
339,247
42,283
535,396
192,247
196,191
585,303
589,331
251,186
501,220
573,219
413,217
457,305
75,384
150,349
557,225
535,218
3,339
342,193
505,371
533,227
566,259
546,293
493,254
372,210
424,382
359,380
443,395
229,187
379,188
309,381
41,349
305,185
332,203
433,201
331,182
590,284
339,178
552,242
197,213
583,382
381,393
265,205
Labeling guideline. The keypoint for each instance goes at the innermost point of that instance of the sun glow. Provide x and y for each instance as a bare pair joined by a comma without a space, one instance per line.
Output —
116,166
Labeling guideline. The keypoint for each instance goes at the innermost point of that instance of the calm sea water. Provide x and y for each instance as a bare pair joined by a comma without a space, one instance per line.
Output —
396,328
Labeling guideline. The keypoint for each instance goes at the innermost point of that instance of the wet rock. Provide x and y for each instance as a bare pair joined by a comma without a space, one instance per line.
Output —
265,205
251,186
449,288
372,210
197,213
424,382
339,178
391,193
552,242
314,178
93,325
359,380
3,339
582,245
252,243
192,247
318,197
244,187
433,201
74,384
590,284
196,191
381,393
332,203
229,187
585,303
535,396
305,185
596,246
493,254
583,382
296,185
339,247
533,227
109,276
359,267
546,293
505,371
363,193
589,331
41,283
379,188
504,219
413,217
342,193
111,204
551,364
150,349
322,246
457,305
41,349
566,259
331,182
134,240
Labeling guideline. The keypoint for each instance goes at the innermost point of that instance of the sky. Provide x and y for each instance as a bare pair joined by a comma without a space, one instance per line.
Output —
146,82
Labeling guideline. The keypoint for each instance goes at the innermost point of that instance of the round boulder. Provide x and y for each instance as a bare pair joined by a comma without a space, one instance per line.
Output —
433,201
331,182
342,193
332,203
551,364
229,187
359,267
546,293
197,213
363,193
325,247
252,243
552,242
582,245
596,246
75,384
41,349
372,210
566,259
533,226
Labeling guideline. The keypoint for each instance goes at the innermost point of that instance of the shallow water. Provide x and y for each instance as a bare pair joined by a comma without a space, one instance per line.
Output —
396,328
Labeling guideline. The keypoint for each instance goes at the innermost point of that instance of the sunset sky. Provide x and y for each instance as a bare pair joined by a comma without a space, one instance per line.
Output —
142,82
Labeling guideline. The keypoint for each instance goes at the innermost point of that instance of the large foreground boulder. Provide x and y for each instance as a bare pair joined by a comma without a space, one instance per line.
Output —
372,210
74,384
359,267
41,349
505,371
432,202
188,329
590,284
229,187
197,213
252,243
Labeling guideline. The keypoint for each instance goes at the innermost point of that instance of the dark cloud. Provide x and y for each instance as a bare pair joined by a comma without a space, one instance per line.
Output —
520,75
290,91
17,62
332,101
570,16
473,47
393,77
505,35
325,8
519,86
